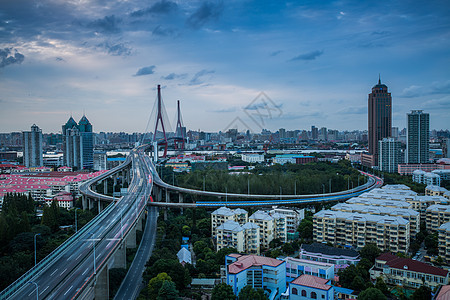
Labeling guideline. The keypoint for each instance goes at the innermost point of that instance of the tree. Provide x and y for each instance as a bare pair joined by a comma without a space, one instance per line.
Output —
422,293
305,228
371,294
381,285
174,269
223,291
220,255
167,291
358,283
370,251
155,284
249,293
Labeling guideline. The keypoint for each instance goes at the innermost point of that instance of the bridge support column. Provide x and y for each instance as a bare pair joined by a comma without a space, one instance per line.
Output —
180,200
102,285
115,180
99,205
167,196
84,202
91,203
120,257
131,238
139,222
105,186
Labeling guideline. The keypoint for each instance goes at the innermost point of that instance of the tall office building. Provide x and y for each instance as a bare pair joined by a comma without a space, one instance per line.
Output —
78,144
314,133
389,155
418,137
32,147
380,117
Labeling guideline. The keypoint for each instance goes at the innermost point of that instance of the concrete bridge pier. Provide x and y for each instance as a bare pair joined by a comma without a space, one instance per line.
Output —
102,285
91,203
181,200
84,202
131,238
105,186
139,222
120,257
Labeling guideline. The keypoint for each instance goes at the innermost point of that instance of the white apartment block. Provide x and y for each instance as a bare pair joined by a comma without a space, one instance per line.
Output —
408,214
356,230
293,217
444,241
434,190
379,202
436,216
252,158
244,238
224,214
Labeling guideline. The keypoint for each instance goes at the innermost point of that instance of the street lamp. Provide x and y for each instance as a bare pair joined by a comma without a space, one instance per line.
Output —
35,247
93,242
37,289
323,187
76,223
281,192
295,187
330,185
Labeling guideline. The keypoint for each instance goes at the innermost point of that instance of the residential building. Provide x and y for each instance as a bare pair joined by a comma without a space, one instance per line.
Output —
434,190
340,258
379,202
307,287
436,216
356,230
444,241
224,214
253,158
32,147
407,272
269,227
85,128
443,293
63,199
78,144
390,155
297,266
380,117
262,272
418,141
243,238
184,256
408,169
406,213
293,217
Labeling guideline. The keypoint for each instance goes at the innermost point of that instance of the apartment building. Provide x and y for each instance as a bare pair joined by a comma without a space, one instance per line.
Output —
269,227
243,238
406,213
340,258
434,190
407,272
225,214
307,287
258,271
444,241
436,216
379,202
293,217
356,230
297,266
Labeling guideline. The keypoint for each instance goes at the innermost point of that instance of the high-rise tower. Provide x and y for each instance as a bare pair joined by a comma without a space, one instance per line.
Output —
380,117
85,128
418,137
32,147
78,144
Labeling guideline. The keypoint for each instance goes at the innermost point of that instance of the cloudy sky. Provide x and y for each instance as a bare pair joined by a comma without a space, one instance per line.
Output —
314,61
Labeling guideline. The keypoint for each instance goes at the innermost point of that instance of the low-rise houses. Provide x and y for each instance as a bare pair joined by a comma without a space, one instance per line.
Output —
340,258
407,272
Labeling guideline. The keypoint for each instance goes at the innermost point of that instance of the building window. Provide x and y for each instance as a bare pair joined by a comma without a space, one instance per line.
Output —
303,293
313,295
294,291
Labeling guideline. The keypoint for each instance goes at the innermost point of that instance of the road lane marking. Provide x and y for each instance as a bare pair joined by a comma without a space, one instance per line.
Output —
68,290
63,271
53,272
44,290
79,256
85,271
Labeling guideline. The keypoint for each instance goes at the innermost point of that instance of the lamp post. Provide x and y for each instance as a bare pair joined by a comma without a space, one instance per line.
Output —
330,185
226,196
281,192
248,186
35,247
295,187
323,188
76,223
93,242
37,288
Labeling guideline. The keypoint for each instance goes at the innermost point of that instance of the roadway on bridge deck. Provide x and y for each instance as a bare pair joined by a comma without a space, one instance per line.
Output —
132,284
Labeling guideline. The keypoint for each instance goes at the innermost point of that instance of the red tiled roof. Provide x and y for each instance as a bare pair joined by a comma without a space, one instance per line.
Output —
444,293
246,261
312,281
400,263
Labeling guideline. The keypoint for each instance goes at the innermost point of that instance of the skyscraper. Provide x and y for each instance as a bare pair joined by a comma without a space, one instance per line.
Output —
32,147
78,144
418,137
390,155
380,117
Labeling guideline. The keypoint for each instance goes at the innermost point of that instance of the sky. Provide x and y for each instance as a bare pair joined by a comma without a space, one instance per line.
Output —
232,64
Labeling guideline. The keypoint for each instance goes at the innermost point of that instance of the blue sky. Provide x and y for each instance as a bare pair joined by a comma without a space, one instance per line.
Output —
316,61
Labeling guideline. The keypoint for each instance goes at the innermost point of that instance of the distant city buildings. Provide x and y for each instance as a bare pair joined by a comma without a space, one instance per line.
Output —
78,144
418,141
380,117
32,147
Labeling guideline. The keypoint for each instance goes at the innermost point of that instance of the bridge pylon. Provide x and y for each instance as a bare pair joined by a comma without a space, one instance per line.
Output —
159,119
179,130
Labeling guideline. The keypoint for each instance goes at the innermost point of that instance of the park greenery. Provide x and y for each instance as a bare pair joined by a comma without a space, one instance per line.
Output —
20,226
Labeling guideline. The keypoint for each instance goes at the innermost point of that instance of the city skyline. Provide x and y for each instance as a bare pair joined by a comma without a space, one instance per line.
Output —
315,63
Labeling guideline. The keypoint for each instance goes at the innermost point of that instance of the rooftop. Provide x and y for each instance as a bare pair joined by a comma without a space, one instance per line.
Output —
396,262
246,261
312,281
327,250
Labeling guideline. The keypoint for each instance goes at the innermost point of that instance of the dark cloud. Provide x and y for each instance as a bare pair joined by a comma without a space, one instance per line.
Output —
173,76
145,71
7,57
59,59
197,77
308,56
208,11
116,49
162,31
162,7
108,25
